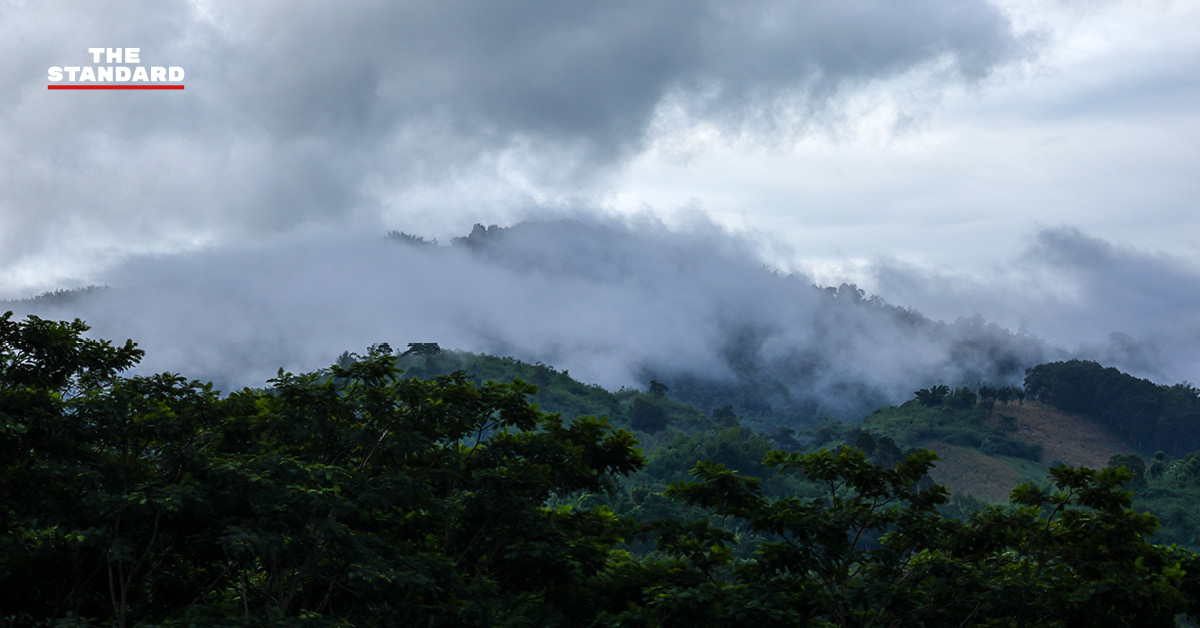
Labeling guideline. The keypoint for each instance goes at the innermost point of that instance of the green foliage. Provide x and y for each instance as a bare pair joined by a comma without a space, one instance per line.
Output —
42,355
1134,465
558,392
353,497
954,416
363,496
424,349
873,550
962,398
1169,488
1146,414
725,417
647,414
933,396
735,447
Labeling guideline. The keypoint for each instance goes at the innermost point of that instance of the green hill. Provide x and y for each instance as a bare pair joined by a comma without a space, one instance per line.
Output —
988,441
647,412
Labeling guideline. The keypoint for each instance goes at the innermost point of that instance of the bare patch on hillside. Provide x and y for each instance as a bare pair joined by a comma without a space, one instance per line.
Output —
1064,437
969,471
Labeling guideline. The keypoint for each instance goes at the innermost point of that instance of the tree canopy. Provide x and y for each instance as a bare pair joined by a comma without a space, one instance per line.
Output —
355,496
352,496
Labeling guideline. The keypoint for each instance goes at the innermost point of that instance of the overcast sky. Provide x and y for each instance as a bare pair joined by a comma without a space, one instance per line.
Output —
1001,157
935,132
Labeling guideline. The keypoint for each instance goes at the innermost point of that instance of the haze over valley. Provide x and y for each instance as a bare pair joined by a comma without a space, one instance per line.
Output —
619,301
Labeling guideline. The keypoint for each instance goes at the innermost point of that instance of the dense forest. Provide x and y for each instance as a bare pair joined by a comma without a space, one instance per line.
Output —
368,495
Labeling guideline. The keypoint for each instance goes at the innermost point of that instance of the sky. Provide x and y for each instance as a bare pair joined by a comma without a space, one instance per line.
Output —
1033,162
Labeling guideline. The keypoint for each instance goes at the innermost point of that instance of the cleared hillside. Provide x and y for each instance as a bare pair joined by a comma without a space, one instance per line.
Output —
968,471
985,453
1064,436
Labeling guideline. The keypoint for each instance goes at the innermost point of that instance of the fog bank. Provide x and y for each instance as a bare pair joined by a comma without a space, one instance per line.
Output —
619,300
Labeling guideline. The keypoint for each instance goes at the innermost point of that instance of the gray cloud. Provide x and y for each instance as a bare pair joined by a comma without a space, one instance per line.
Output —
1123,307
586,73
300,112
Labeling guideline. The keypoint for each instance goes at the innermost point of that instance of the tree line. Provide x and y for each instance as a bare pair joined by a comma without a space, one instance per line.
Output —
1150,416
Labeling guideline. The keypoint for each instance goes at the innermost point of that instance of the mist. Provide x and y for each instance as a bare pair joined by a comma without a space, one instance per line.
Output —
618,301
1123,307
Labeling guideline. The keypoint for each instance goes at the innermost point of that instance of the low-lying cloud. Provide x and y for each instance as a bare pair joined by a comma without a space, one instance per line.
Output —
617,301
1136,310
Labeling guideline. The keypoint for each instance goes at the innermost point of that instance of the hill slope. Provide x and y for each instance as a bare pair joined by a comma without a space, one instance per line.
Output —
1064,436
986,453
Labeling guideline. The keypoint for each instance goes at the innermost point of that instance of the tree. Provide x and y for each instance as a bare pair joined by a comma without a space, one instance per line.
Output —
932,396
872,549
961,398
1148,415
865,443
1134,464
647,414
46,355
725,416
839,558
350,496
424,349
988,396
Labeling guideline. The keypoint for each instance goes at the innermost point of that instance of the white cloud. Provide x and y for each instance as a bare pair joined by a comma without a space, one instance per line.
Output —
1099,130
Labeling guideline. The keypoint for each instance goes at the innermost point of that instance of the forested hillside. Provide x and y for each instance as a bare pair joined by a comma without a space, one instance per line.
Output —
364,495
1150,416
989,439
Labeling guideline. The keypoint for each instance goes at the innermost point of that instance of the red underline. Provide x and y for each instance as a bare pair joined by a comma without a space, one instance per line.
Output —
106,86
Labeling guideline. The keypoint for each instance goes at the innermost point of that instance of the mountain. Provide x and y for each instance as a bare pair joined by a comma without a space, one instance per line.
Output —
617,303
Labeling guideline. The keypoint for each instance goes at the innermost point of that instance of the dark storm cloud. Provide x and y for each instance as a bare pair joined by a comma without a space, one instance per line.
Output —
590,74
298,112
